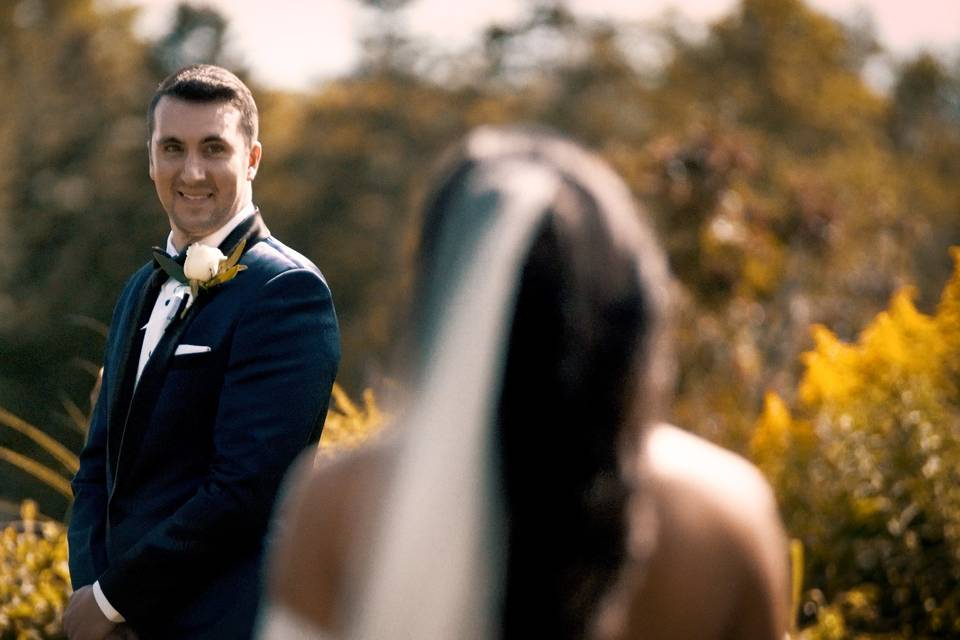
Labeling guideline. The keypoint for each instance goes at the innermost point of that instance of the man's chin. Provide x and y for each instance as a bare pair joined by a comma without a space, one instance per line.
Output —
194,211
193,225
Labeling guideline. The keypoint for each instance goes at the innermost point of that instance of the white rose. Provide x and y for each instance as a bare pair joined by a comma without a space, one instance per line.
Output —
202,262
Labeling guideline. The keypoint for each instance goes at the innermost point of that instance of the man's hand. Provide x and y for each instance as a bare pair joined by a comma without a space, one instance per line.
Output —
83,619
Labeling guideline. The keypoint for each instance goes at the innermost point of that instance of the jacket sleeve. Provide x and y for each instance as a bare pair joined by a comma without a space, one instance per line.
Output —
88,516
281,368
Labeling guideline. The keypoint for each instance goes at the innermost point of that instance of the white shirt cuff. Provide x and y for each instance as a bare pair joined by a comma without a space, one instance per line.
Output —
112,614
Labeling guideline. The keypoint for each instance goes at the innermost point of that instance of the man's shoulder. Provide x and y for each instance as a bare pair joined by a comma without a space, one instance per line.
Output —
270,258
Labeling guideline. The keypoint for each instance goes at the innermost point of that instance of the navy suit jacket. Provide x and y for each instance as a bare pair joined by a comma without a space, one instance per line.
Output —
179,474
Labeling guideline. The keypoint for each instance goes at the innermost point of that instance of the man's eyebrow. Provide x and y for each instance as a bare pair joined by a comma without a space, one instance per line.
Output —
210,138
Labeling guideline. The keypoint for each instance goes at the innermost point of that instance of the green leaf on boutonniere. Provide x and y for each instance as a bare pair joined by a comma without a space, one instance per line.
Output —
226,275
235,254
228,267
169,265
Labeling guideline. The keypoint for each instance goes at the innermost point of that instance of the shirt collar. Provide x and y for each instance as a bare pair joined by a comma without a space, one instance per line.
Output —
218,236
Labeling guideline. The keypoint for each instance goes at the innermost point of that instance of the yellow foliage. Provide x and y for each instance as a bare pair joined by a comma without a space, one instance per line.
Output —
58,479
796,580
901,345
67,458
771,437
778,438
348,425
872,490
898,338
829,369
763,270
34,576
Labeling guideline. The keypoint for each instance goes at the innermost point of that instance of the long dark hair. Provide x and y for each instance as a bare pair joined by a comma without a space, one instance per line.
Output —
581,377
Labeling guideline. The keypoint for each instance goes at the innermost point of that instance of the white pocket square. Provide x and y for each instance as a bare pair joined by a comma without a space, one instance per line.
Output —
184,349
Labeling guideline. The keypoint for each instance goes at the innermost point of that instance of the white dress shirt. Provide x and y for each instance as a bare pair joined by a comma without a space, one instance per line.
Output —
172,292
166,306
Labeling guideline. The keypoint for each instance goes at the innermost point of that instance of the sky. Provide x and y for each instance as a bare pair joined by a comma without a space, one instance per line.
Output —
293,44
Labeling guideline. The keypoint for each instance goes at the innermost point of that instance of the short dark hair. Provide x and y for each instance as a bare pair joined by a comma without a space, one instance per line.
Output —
209,83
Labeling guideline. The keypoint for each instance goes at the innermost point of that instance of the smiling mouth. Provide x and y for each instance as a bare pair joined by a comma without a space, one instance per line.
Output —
194,197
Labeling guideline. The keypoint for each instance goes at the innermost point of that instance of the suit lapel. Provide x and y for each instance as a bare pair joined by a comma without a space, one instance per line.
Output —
143,397
252,230
123,377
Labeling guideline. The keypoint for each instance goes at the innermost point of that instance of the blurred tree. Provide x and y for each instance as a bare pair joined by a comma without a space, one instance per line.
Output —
385,5
342,171
75,207
387,48
781,199
924,124
197,36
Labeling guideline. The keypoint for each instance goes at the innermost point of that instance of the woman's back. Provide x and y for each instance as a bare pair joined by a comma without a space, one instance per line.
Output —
519,497
718,566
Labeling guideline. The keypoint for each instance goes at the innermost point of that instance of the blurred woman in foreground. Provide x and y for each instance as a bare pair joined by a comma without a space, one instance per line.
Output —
526,494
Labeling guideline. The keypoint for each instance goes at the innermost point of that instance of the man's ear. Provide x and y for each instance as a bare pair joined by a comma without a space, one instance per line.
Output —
150,168
253,159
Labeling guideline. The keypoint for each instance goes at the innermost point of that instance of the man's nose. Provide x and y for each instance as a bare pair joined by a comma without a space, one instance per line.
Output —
193,168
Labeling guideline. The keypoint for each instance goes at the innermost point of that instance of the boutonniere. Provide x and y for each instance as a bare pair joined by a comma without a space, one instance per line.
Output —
205,267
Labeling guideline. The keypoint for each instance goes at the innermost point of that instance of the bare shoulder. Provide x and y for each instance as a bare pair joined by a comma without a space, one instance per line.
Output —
719,565
321,529
338,480
724,483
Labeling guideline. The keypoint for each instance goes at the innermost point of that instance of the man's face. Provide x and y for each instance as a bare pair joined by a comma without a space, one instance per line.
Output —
201,165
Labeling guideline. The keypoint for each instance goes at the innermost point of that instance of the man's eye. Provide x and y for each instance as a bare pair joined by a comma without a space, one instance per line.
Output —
215,149
171,148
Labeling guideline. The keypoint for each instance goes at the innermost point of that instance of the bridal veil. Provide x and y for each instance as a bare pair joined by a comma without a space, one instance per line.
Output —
438,566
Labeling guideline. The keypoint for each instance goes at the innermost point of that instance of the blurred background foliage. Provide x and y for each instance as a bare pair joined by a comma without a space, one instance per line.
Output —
788,191
34,576
867,470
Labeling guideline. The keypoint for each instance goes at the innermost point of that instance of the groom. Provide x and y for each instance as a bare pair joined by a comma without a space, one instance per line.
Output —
217,374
